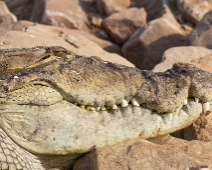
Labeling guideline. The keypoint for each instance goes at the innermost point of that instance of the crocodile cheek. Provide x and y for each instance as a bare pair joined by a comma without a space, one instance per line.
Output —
65,128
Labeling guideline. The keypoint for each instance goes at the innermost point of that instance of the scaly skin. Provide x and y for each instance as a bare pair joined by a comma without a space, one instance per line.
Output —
55,105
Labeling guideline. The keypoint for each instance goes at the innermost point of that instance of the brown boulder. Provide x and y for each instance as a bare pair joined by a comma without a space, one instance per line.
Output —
104,44
96,20
200,130
204,62
181,54
6,17
201,35
120,26
139,154
198,150
60,13
20,8
32,35
108,7
24,25
194,10
154,8
146,46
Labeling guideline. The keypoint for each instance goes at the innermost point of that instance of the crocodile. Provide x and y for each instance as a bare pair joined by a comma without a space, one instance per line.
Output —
56,105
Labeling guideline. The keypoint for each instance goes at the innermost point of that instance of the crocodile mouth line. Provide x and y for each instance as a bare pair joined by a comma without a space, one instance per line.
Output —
57,96
134,103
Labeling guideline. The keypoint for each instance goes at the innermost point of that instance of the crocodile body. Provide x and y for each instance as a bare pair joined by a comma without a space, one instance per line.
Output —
56,105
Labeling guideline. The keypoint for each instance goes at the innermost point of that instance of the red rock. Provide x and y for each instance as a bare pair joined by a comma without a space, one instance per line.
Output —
198,150
146,46
187,54
203,62
6,17
104,44
120,26
153,8
24,25
200,130
60,13
21,8
168,153
194,10
201,35
32,35
96,20
108,7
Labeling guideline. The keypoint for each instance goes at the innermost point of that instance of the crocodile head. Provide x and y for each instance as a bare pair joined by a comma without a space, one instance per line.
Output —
56,105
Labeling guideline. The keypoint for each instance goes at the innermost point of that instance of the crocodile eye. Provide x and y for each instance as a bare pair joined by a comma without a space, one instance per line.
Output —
36,95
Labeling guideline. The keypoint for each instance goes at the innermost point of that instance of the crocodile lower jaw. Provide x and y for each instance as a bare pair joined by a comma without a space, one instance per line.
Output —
64,128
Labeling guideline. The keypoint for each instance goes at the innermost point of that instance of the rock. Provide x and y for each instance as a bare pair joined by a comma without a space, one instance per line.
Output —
134,154
96,20
198,150
120,26
60,13
194,10
201,35
181,54
20,8
94,17
104,44
6,17
204,62
108,7
154,8
186,28
146,46
199,130
32,35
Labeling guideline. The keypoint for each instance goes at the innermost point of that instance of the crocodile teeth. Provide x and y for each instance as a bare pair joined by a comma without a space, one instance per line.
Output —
88,107
124,103
98,108
103,108
206,107
178,110
169,116
185,102
93,109
134,102
114,107
82,107
196,100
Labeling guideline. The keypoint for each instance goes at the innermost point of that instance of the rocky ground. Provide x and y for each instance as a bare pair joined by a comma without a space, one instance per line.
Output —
150,35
